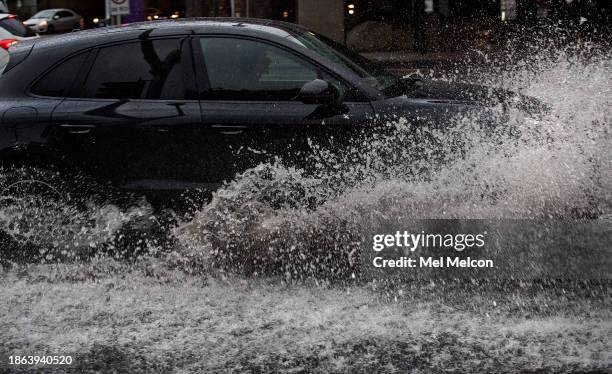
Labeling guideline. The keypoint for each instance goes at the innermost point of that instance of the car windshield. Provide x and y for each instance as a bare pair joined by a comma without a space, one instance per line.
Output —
371,72
45,14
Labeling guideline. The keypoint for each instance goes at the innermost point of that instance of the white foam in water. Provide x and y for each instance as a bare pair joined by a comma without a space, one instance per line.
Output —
62,231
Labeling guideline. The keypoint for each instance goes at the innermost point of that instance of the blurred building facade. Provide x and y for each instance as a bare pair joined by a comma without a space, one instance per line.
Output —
418,25
456,25
325,16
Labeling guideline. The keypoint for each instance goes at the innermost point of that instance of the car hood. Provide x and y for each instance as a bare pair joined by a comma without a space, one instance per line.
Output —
434,101
443,90
34,21
470,94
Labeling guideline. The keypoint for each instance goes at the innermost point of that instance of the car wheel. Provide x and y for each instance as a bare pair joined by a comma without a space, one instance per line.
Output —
48,214
76,27
50,29
48,182
36,205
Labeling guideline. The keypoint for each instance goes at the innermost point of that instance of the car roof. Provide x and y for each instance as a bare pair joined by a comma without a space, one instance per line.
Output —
92,37
54,10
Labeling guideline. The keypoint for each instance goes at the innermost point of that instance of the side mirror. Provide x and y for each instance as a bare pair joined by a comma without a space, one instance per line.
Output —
56,17
320,92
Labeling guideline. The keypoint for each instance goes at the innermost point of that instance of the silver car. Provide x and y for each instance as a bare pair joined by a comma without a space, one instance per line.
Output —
54,20
12,31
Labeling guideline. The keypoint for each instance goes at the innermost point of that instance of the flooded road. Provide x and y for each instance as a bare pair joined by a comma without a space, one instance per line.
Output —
261,279
152,319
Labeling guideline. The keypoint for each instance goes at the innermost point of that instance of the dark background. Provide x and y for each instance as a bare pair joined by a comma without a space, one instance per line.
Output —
421,26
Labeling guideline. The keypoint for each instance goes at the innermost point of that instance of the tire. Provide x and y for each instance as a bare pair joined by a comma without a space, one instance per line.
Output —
43,211
51,29
50,182
35,204
76,27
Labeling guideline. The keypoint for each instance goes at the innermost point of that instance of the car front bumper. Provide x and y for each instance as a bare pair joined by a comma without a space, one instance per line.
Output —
38,28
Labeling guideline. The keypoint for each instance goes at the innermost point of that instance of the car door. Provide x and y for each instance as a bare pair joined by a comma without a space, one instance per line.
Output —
65,21
133,116
56,22
250,100
74,21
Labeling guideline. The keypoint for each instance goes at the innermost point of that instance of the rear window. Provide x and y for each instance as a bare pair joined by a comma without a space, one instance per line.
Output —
14,26
58,82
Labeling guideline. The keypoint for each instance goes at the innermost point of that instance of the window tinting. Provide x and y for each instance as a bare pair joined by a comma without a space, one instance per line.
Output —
58,81
150,69
240,69
44,14
14,26
372,73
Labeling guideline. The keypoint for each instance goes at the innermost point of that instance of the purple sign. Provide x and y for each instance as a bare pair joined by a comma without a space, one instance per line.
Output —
137,12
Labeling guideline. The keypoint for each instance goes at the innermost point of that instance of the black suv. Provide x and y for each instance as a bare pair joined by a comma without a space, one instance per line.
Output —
177,105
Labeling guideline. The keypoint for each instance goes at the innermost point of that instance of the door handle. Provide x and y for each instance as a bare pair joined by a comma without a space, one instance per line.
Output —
77,129
230,129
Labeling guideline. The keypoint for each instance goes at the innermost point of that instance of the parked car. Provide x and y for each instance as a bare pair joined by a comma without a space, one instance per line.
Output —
177,105
154,14
12,31
101,22
55,20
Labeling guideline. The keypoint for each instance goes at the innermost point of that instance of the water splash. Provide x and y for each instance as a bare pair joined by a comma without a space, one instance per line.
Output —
38,230
279,219
275,219
550,165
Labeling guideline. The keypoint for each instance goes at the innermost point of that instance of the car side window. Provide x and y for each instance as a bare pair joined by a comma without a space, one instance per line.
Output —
241,69
149,69
64,14
57,82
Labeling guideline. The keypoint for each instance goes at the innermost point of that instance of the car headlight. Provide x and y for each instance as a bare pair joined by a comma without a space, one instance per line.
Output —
43,24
